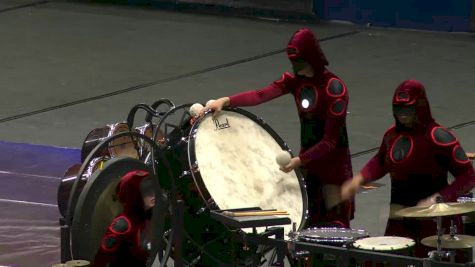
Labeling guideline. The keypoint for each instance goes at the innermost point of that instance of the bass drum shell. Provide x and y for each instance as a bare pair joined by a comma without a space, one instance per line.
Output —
228,163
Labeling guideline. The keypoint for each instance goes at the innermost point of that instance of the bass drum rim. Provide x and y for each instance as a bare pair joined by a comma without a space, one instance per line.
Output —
199,181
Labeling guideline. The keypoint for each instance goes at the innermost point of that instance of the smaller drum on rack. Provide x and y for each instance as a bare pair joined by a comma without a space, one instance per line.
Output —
390,244
147,130
65,187
123,146
326,236
331,235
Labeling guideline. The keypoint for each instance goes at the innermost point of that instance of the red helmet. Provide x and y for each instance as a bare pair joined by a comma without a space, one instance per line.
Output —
129,191
305,47
410,98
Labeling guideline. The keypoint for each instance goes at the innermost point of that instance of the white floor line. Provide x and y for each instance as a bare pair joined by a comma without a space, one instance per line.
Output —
32,175
27,203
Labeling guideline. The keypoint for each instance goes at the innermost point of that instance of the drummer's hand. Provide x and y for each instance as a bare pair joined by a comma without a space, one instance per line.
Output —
428,201
217,105
293,164
350,187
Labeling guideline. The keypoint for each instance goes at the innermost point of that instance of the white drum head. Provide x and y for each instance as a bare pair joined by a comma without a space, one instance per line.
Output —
236,160
384,243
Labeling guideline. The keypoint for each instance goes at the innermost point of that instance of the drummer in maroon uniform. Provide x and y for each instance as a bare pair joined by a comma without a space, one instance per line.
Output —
126,242
418,153
322,99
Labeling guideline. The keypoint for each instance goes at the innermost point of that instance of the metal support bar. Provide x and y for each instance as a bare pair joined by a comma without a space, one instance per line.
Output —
277,243
65,246
178,233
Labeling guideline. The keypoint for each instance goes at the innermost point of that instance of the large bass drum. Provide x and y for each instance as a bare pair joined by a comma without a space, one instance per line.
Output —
229,162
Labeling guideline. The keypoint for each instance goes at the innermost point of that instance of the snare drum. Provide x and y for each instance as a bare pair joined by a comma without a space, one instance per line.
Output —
123,146
390,244
326,236
229,163
331,235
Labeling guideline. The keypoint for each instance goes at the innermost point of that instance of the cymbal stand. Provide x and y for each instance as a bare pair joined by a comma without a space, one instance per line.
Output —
439,255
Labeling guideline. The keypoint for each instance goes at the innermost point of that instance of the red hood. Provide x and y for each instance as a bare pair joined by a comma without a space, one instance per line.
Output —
412,92
129,193
304,45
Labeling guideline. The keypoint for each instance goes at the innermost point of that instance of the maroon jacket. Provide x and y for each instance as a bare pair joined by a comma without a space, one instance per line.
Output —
125,244
322,104
418,159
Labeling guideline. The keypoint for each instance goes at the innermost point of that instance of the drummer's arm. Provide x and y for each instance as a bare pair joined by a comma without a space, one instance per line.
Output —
373,170
106,253
256,97
375,167
111,241
462,169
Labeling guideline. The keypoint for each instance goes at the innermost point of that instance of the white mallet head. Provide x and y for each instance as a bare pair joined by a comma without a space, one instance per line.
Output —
195,109
283,158
209,102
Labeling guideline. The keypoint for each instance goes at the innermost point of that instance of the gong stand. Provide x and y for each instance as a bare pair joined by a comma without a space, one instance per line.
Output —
66,223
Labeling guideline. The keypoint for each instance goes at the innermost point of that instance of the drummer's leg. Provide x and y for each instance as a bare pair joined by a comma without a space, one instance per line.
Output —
338,216
314,195
414,229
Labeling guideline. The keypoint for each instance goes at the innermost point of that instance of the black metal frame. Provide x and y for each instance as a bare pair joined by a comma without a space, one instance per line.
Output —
344,254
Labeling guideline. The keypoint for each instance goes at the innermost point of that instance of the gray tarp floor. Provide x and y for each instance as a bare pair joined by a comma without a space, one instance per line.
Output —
57,56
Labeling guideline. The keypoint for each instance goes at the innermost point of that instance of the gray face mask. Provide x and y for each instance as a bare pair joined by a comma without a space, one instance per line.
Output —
404,110
298,65
146,187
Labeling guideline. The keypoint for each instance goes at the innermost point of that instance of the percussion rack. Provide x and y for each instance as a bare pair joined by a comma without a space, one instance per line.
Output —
344,255
261,239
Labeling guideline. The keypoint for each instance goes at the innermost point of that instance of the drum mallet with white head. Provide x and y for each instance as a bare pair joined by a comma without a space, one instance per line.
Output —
195,109
283,158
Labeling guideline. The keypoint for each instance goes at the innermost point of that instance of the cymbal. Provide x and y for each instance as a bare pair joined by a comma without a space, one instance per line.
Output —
448,241
438,209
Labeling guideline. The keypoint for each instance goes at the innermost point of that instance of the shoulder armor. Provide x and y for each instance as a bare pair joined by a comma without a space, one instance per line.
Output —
459,155
335,88
110,243
442,137
121,225
338,107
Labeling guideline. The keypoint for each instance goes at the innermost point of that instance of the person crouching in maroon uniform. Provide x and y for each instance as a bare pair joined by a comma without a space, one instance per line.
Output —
418,153
125,242
321,99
